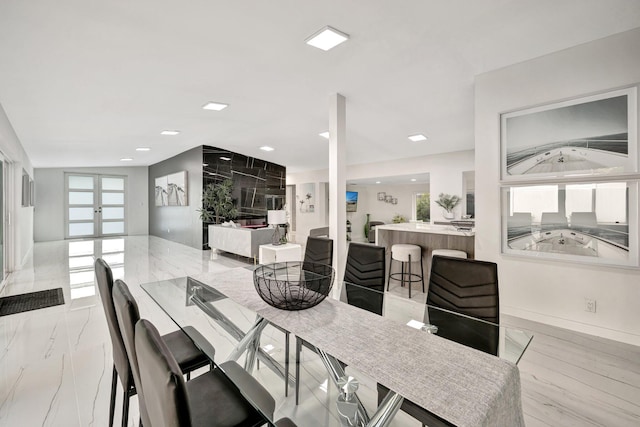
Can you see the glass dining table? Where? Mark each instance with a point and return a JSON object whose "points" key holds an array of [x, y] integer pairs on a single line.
{"points": [[364, 341]]}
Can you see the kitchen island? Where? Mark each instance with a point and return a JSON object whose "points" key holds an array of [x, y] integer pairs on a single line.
{"points": [[429, 237]]}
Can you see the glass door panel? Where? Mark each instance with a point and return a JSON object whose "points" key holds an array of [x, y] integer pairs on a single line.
{"points": [[95, 205], [81, 206], [112, 189]]}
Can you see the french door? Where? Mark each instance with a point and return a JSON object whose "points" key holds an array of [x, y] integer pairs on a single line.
{"points": [[95, 205]]}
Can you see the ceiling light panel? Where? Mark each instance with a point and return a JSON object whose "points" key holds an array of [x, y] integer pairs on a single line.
{"points": [[266, 148], [417, 137], [324, 134], [126, 159], [170, 132], [143, 149], [215, 106], [327, 38]]}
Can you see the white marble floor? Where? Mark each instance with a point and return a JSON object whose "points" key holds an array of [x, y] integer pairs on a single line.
{"points": [[55, 363]]}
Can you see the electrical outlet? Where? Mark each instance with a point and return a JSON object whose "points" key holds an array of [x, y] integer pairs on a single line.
{"points": [[590, 305]]}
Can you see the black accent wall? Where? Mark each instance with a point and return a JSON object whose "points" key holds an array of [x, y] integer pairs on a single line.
{"points": [[258, 185]]}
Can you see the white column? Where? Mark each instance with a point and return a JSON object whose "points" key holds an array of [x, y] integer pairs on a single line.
{"points": [[337, 183]]}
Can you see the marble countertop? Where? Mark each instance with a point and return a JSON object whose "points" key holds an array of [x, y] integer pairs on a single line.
{"points": [[418, 227]]}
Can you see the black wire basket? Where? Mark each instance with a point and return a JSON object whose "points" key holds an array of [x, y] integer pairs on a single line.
{"points": [[293, 285]]}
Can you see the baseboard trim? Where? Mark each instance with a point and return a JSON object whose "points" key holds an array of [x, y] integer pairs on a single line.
{"points": [[599, 331]]}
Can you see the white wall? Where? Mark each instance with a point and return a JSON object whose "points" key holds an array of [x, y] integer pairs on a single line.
{"points": [[548, 291], [445, 175], [49, 209], [368, 203], [19, 237]]}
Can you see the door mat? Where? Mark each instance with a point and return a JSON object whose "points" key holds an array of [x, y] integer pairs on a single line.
{"points": [[31, 301]]}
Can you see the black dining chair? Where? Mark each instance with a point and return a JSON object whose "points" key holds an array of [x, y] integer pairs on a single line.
{"points": [[210, 399], [128, 315], [465, 286], [189, 356], [365, 268], [468, 287], [319, 250]]}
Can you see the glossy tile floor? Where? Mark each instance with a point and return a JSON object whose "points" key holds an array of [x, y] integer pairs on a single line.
{"points": [[55, 363]]}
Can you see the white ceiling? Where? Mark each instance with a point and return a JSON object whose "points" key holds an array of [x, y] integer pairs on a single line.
{"points": [[412, 179], [86, 82]]}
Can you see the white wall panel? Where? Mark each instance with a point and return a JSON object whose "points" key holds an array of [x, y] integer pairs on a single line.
{"points": [[548, 291], [49, 210]]}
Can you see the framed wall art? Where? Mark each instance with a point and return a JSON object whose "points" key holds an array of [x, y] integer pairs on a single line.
{"points": [[589, 222], [171, 190], [307, 199], [593, 135], [161, 191], [177, 189]]}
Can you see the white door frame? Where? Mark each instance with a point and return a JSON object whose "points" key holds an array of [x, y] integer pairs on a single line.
{"points": [[97, 206]]}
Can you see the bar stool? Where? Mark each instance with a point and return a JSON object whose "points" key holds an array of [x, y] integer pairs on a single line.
{"points": [[406, 254], [449, 252]]}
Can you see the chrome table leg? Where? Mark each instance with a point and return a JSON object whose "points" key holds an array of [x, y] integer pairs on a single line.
{"points": [[336, 373]]}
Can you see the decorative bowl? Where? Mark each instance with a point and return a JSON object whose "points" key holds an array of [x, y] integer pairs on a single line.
{"points": [[293, 285]]}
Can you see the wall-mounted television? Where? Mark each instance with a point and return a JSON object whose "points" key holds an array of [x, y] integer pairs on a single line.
{"points": [[352, 201]]}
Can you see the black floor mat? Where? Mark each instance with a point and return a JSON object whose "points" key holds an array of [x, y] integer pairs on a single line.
{"points": [[31, 301]]}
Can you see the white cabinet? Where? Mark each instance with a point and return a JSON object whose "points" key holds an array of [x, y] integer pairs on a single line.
{"points": [[281, 253], [238, 240]]}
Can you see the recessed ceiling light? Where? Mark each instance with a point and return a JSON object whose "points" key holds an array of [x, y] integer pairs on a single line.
{"points": [[224, 158], [215, 106], [126, 159], [413, 180], [143, 149], [324, 134], [377, 182], [417, 137], [170, 132], [266, 148], [327, 38]]}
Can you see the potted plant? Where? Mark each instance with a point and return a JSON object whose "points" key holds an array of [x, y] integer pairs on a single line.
{"points": [[217, 204], [398, 219], [448, 203]]}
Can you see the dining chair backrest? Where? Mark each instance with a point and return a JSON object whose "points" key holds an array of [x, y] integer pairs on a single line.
{"points": [[319, 250], [365, 267], [128, 315], [165, 391], [465, 286], [105, 288], [319, 232]]}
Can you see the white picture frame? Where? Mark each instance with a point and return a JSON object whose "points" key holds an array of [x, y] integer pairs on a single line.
{"points": [[593, 135], [586, 222]]}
